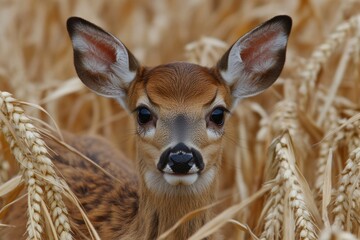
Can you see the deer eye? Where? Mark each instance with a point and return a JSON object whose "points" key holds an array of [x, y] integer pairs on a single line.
{"points": [[217, 116], [144, 115]]}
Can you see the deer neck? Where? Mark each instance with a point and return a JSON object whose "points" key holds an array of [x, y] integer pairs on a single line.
{"points": [[160, 211]]}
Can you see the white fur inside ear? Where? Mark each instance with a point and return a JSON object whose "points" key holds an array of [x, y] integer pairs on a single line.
{"points": [[91, 64], [263, 58], [236, 71], [97, 60], [235, 68], [255, 60], [122, 67]]}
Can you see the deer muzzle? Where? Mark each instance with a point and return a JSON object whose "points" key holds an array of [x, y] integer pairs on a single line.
{"points": [[180, 160]]}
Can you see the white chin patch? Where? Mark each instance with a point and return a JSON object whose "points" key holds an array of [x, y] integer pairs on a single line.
{"points": [[187, 179]]}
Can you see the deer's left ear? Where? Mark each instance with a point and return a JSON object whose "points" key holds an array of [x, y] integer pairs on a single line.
{"points": [[255, 61]]}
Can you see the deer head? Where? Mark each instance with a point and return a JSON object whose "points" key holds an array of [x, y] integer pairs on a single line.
{"points": [[181, 109]]}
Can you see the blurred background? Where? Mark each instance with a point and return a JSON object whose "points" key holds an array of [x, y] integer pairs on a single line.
{"points": [[36, 65]]}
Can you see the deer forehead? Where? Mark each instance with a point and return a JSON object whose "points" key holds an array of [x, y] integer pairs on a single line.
{"points": [[183, 87]]}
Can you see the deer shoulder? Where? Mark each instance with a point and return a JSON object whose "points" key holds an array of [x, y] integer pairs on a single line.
{"points": [[106, 186]]}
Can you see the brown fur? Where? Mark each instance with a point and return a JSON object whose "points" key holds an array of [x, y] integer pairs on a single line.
{"points": [[172, 90], [127, 209], [178, 100], [178, 83], [111, 205], [130, 208]]}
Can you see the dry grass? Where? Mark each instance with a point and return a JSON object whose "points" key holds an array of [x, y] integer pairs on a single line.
{"points": [[308, 122]]}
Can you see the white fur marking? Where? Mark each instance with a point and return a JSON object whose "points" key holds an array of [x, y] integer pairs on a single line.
{"points": [[168, 169], [149, 132], [193, 169], [156, 182], [212, 134], [187, 179]]}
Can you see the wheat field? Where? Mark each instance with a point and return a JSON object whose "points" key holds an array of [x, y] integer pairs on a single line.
{"points": [[291, 167]]}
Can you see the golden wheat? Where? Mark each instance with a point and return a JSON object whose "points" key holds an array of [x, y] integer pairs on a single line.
{"points": [[37, 169], [335, 234], [205, 51], [347, 203], [287, 192], [321, 55], [351, 134], [316, 97], [4, 167], [329, 143]]}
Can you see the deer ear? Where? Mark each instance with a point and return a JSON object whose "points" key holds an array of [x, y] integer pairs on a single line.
{"points": [[255, 61], [101, 61]]}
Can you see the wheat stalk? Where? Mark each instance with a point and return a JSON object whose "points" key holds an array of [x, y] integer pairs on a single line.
{"points": [[285, 118], [287, 189], [4, 166], [321, 55], [206, 51], [157, 35], [336, 234], [328, 143], [37, 169], [351, 133], [347, 195], [274, 216]]}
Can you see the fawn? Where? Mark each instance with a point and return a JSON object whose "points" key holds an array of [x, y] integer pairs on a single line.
{"points": [[181, 111]]}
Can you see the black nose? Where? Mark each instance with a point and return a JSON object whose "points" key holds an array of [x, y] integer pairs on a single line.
{"points": [[180, 159]]}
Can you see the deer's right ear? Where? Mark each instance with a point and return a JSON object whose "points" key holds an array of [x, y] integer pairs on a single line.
{"points": [[101, 61]]}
